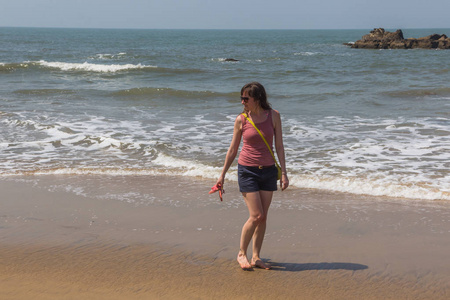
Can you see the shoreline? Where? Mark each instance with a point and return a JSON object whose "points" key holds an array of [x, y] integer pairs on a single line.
{"points": [[322, 245]]}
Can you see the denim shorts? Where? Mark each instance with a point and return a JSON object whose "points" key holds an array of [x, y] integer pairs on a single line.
{"points": [[253, 179]]}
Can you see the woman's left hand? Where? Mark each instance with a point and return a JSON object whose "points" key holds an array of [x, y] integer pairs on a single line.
{"points": [[284, 182]]}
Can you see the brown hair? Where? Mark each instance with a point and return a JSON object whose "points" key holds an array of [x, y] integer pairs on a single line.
{"points": [[258, 92]]}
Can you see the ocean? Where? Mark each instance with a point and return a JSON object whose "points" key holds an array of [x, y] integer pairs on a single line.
{"points": [[111, 102]]}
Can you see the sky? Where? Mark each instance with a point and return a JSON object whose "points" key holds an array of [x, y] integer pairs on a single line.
{"points": [[226, 14]]}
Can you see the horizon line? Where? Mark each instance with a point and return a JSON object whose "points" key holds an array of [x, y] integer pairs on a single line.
{"points": [[237, 29]]}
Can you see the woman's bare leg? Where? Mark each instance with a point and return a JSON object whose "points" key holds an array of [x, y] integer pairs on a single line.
{"points": [[256, 216], [260, 231]]}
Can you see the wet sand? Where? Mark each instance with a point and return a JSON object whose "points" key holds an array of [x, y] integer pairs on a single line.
{"points": [[62, 239]]}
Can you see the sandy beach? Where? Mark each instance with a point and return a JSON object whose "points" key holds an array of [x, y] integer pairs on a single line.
{"points": [[72, 244]]}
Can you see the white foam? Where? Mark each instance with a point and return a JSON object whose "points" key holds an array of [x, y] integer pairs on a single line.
{"points": [[106, 56], [389, 157], [177, 167], [64, 66], [369, 187], [392, 157], [307, 53]]}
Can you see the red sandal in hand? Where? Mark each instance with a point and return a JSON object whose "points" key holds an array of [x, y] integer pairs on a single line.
{"points": [[218, 187]]}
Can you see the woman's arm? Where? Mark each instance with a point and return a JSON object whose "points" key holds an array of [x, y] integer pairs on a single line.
{"points": [[233, 149], [284, 182]]}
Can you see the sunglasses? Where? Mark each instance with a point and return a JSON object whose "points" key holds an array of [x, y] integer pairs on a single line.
{"points": [[245, 99]]}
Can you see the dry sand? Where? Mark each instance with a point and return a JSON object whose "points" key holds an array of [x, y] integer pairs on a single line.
{"points": [[181, 243]]}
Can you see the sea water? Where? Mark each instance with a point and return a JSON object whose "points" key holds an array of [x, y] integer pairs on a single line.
{"points": [[163, 102]]}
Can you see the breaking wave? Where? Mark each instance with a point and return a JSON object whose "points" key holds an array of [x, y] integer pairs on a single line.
{"points": [[67, 66], [101, 68]]}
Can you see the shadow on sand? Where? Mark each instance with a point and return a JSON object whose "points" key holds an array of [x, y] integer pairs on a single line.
{"points": [[294, 267]]}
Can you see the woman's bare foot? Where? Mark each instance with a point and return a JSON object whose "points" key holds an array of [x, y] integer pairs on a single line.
{"points": [[258, 263], [243, 261]]}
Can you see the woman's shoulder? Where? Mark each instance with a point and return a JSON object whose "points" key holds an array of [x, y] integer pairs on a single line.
{"points": [[276, 118], [275, 113], [239, 119]]}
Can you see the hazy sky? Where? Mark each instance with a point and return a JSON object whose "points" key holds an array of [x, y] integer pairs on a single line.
{"points": [[227, 14]]}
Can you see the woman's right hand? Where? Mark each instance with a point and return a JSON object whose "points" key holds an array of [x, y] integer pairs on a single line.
{"points": [[220, 181]]}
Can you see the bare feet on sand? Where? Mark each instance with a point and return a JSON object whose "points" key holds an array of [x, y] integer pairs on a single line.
{"points": [[258, 263], [243, 261]]}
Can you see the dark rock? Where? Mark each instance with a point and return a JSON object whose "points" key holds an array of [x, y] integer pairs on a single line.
{"points": [[381, 39], [231, 59]]}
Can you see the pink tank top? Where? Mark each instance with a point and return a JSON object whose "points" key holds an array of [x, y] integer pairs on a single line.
{"points": [[254, 151]]}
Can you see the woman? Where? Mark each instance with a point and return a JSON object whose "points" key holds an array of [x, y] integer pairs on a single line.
{"points": [[257, 173]]}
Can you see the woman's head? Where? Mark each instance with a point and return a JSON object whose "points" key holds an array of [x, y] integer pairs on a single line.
{"points": [[256, 91]]}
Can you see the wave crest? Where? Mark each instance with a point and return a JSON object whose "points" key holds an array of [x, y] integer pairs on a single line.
{"points": [[445, 91], [168, 92], [11, 67], [89, 67], [43, 92]]}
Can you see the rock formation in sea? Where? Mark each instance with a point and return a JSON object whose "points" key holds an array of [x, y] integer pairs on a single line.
{"points": [[381, 39]]}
